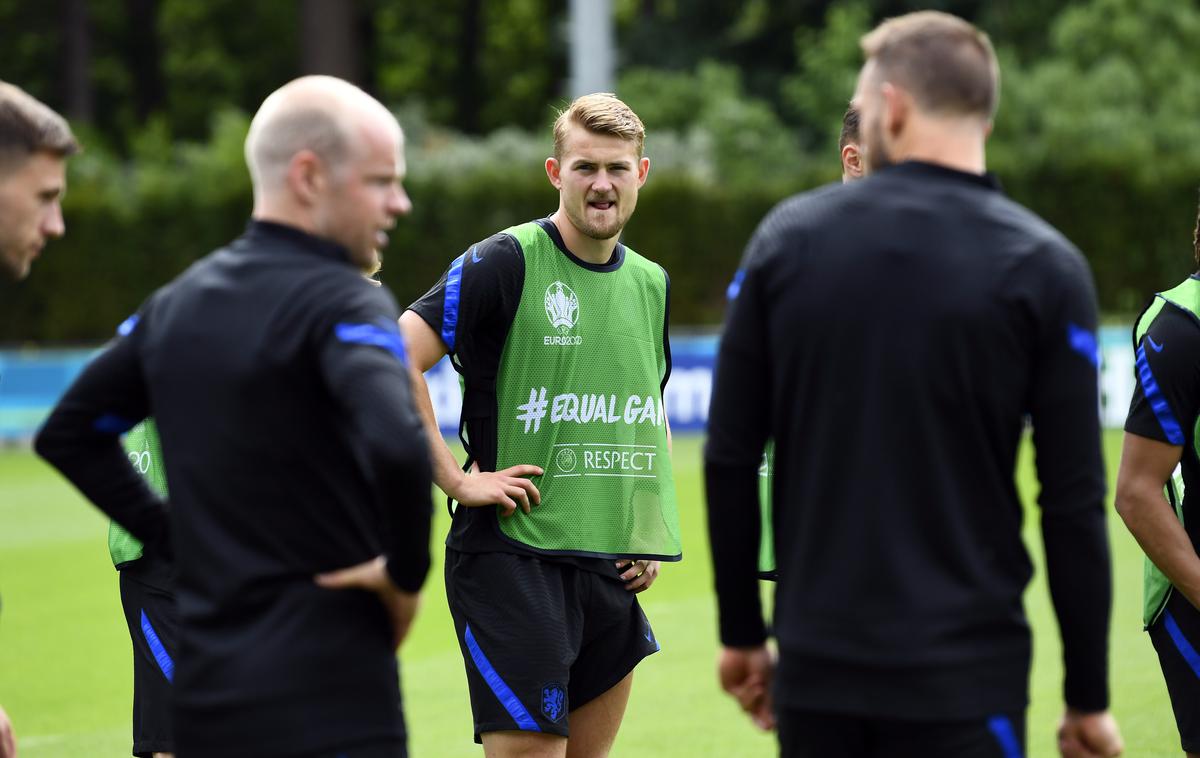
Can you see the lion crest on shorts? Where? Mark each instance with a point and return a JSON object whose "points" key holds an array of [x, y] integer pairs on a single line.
{"points": [[554, 700]]}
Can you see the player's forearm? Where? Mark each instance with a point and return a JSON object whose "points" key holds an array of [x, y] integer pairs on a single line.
{"points": [[446, 471], [734, 533], [1152, 522], [1079, 573]]}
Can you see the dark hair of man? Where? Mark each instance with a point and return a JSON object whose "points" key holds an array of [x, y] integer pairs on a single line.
{"points": [[945, 63], [849, 128], [27, 126]]}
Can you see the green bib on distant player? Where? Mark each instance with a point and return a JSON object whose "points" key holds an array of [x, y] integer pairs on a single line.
{"points": [[145, 453], [579, 393], [766, 482], [1156, 588]]}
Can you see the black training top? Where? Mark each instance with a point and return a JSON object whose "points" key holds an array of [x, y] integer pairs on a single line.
{"points": [[1168, 363], [276, 377], [892, 335], [481, 308]]}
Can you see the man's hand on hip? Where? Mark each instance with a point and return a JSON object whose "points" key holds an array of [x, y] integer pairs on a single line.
{"points": [[373, 577], [507, 489], [638, 575]]}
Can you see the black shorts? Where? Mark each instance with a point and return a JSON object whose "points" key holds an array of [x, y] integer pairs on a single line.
{"points": [[809, 734], [154, 630], [540, 638], [1176, 638]]}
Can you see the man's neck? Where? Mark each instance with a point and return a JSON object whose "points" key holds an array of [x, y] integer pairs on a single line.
{"points": [[582, 246], [951, 143], [286, 215]]}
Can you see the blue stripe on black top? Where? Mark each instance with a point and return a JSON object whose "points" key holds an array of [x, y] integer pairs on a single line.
{"points": [[1158, 403], [450, 300]]}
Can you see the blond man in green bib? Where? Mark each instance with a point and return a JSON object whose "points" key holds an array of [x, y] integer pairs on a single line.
{"points": [[566, 504]]}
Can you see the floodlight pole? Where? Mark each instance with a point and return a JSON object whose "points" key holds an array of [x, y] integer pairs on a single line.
{"points": [[593, 55]]}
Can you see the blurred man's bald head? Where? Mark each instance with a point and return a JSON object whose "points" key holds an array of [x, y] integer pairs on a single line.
{"points": [[321, 114]]}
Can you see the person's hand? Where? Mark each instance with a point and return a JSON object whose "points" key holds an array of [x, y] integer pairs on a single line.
{"points": [[1089, 735], [745, 673], [507, 488], [638, 575], [373, 576], [8, 739]]}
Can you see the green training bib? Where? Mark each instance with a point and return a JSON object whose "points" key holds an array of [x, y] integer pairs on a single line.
{"points": [[145, 453], [1156, 587], [579, 393]]}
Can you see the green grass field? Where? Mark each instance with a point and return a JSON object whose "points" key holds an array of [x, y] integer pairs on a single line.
{"points": [[65, 671]]}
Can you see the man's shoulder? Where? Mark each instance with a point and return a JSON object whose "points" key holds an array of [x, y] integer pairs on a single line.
{"points": [[812, 206], [503, 247]]}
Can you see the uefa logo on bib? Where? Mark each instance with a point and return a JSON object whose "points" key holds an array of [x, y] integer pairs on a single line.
{"points": [[562, 308]]}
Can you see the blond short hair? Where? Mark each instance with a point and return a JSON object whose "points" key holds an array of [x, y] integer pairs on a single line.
{"points": [[28, 126], [600, 113], [945, 63]]}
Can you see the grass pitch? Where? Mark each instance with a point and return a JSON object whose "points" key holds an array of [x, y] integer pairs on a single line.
{"points": [[65, 656]]}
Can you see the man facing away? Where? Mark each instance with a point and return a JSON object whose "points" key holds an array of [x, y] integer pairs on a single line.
{"points": [[298, 469], [891, 335], [34, 145], [559, 332], [1158, 484]]}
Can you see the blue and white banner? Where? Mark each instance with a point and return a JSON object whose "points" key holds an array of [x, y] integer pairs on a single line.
{"points": [[31, 381]]}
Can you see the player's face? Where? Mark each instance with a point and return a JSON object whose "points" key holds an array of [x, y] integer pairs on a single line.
{"points": [[366, 194], [597, 177], [30, 210]]}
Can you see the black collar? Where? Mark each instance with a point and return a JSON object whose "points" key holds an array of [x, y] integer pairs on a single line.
{"points": [[614, 263], [921, 168], [269, 232]]}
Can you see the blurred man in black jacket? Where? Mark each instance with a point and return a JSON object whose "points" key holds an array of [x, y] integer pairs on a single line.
{"points": [[891, 335], [299, 472]]}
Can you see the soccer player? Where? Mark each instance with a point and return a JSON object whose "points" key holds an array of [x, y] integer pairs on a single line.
{"points": [[298, 468], [1157, 486], [567, 503], [852, 168], [34, 145], [892, 334], [148, 598]]}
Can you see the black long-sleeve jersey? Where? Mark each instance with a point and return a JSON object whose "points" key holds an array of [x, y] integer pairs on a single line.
{"points": [[276, 376], [892, 336]]}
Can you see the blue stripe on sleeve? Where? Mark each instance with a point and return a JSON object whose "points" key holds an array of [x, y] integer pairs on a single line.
{"points": [[161, 656], [370, 334], [128, 325], [1084, 342], [1158, 403], [1002, 729], [450, 301], [503, 692], [735, 286], [111, 423], [1185, 648]]}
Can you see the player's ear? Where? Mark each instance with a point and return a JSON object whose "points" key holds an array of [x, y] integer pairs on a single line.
{"points": [[896, 106], [643, 170], [852, 161], [554, 172], [306, 176]]}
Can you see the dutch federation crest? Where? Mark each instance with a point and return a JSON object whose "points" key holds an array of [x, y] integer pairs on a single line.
{"points": [[562, 307], [554, 701]]}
